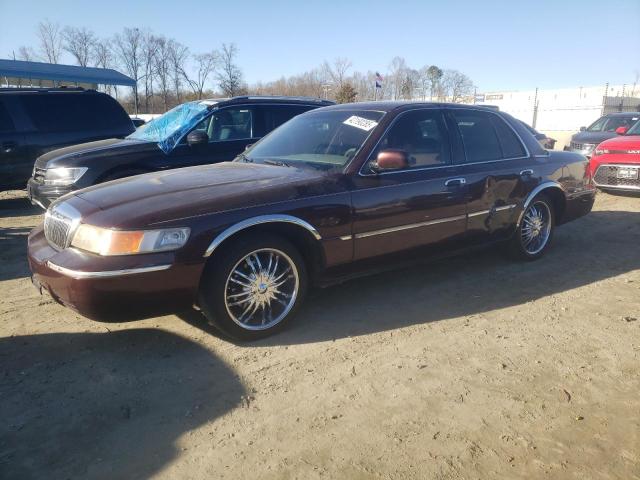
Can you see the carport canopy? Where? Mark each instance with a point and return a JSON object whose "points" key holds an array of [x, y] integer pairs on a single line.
{"points": [[22, 70]]}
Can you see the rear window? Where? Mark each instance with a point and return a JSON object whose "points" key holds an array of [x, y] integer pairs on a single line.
{"points": [[511, 145], [6, 123], [75, 112]]}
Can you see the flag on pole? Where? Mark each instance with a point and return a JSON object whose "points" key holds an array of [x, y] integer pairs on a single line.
{"points": [[378, 80]]}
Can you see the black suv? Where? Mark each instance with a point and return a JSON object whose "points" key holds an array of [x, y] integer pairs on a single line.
{"points": [[194, 133], [606, 127], [36, 120]]}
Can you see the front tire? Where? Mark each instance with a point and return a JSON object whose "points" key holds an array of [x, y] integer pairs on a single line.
{"points": [[253, 288], [533, 235]]}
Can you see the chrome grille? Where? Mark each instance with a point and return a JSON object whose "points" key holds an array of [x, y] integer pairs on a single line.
{"points": [[576, 146], [607, 176], [38, 174], [60, 223]]}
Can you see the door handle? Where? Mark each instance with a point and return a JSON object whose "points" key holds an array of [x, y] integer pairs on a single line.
{"points": [[452, 182], [526, 173], [8, 147]]}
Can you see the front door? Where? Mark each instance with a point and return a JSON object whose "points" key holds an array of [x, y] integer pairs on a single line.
{"points": [[419, 205], [230, 130]]}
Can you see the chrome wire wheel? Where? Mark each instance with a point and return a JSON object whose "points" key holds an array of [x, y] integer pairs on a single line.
{"points": [[536, 227], [261, 289]]}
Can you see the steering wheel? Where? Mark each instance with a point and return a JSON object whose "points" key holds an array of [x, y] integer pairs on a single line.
{"points": [[350, 153]]}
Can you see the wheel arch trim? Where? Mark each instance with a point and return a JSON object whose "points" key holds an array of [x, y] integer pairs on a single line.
{"points": [[548, 185], [259, 220]]}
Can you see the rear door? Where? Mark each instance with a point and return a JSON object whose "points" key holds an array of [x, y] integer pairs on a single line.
{"points": [[15, 167], [418, 206], [271, 116], [498, 171]]}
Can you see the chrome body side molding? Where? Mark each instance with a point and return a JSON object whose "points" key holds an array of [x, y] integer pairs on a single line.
{"points": [[78, 275], [260, 220], [409, 226]]}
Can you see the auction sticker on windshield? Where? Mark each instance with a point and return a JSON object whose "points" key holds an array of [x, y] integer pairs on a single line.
{"points": [[361, 123]]}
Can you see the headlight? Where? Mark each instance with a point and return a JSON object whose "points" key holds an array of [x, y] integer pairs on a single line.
{"points": [[587, 147], [105, 241], [63, 175]]}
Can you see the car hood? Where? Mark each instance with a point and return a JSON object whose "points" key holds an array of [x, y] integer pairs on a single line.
{"points": [[76, 155], [592, 137], [171, 195], [622, 142]]}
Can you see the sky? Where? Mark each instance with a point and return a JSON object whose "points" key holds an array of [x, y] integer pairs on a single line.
{"points": [[500, 45]]}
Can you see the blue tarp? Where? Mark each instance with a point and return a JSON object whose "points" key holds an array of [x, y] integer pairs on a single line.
{"points": [[64, 73]]}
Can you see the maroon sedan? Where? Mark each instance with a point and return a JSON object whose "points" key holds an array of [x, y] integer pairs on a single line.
{"points": [[332, 193]]}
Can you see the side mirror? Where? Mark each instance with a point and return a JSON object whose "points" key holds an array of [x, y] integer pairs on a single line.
{"points": [[197, 137], [391, 160], [583, 129], [621, 130]]}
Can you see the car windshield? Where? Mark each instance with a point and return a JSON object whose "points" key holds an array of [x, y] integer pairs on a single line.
{"points": [[167, 129], [609, 124], [635, 130], [322, 139]]}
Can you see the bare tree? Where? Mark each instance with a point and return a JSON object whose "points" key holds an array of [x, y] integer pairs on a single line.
{"points": [[433, 75], [27, 54], [230, 75], [102, 55], [205, 64], [178, 56], [162, 62], [148, 51], [337, 71], [409, 84], [398, 68], [50, 39], [457, 85], [128, 46], [79, 43]]}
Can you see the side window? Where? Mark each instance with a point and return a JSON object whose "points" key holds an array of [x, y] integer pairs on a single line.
{"points": [[6, 123], [104, 112], [57, 112], [422, 135], [509, 141], [230, 124], [478, 135], [272, 116]]}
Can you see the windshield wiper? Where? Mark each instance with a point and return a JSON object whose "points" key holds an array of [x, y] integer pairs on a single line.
{"points": [[277, 163]]}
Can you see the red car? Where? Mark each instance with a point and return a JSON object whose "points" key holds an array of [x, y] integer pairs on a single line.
{"points": [[615, 164]]}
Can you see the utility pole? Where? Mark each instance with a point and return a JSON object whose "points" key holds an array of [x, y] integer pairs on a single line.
{"points": [[535, 109]]}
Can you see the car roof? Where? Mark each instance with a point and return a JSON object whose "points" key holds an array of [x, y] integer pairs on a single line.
{"points": [[623, 114], [388, 106], [219, 102]]}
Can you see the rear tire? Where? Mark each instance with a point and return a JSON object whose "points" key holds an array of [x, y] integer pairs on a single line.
{"points": [[533, 236], [252, 288]]}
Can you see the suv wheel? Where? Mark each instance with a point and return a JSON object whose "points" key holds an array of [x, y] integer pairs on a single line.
{"points": [[252, 289]]}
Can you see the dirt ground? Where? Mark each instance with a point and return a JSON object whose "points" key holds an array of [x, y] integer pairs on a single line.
{"points": [[475, 367]]}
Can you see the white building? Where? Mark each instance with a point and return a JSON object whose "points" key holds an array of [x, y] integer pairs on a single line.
{"points": [[561, 112]]}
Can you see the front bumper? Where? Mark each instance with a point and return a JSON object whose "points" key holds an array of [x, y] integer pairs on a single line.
{"points": [[43, 195], [112, 288]]}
